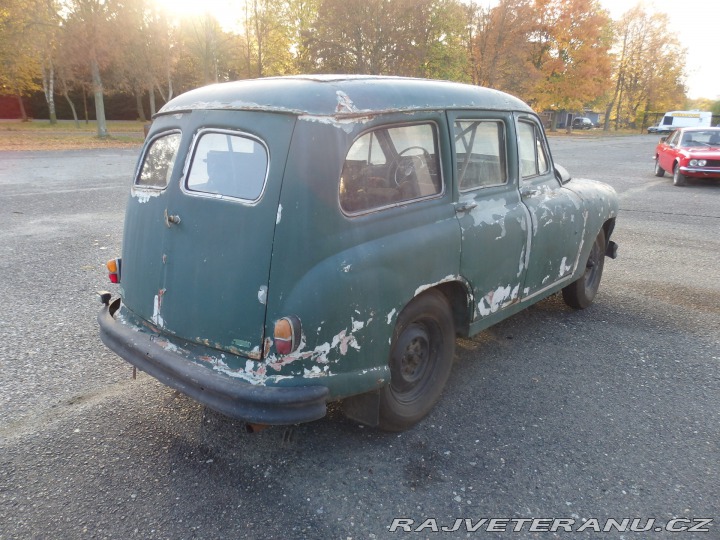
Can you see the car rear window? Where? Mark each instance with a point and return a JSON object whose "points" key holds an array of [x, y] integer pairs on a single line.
{"points": [[228, 165], [389, 166], [158, 162]]}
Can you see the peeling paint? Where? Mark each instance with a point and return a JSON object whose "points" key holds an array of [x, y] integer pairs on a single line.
{"points": [[564, 268], [346, 124], [391, 315], [497, 299], [262, 294], [279, 214], [344, 104], [340, 345], [446, 279], [144, 195], [157, 306]]}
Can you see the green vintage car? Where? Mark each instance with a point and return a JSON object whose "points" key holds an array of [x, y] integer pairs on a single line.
{"points": [[298, 240]]}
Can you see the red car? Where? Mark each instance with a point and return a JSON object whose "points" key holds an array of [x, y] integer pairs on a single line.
{"points": [[689, 153]]}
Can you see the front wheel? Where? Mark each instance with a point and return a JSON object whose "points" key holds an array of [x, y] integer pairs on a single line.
{"points": [[581, 293], [421, 357], [679, 179], [659, 171]]}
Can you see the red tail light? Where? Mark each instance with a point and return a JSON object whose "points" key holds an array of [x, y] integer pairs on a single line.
{"points": [[114, 266], [287, 334]]}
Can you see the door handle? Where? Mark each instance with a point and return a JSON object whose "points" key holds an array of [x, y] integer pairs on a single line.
{"points": [[465, 206], [169, 220]]}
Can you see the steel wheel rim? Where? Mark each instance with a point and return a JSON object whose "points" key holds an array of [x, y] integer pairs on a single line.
{"points": [[413, 358]]}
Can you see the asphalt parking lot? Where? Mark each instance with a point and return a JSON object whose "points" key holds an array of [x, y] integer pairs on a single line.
{"points": [[608, 413]]}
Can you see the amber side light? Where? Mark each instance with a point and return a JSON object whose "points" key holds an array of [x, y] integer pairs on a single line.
{"points": [[114, 266], [287, 334]]}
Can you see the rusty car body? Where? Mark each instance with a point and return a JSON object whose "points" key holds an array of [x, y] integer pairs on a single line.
{"points": [[297, 240]]}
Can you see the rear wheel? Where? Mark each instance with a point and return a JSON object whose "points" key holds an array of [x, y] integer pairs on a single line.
{"points": [[581, 293], [421, 357], [679, 179], [659, 171]]}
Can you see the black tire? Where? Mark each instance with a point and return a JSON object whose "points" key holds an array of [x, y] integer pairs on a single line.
{"points": [[581, 293], [679, 179], [659, 171], [421, 357]]}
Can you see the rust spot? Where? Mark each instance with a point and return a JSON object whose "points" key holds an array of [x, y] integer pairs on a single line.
{"points": [[266, 346]]}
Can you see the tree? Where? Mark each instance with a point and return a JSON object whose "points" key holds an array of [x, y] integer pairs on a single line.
{"points": [[398, 37], [648, 70], [90, 40], [501, 47], [569, 48], [19, 63], [269, 35]]}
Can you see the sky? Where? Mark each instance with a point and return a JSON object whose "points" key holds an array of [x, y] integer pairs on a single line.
{"points": [[695, 24]]}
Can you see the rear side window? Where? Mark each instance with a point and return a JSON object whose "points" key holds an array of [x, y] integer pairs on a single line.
{"points": [[390, 166], [228, 165], [159, 160], [533, 159], [480, 153]]}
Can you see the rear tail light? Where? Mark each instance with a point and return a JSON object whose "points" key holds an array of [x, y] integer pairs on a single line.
{"points": [[114, 266], [287, 334]]}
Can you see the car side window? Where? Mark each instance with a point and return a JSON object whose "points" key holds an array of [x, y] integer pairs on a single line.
{"points": [[672, 139], [533, 158], [480, 153], [390, 166], [158, 161], [228, 164]]}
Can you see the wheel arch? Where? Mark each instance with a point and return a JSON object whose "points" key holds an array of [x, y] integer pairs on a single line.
{"points": [[609, 227], [460, 298]]}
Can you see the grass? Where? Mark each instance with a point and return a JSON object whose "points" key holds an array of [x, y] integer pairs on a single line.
{"points": [[42, 135]]}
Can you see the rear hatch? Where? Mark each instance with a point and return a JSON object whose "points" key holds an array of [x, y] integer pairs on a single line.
{"points": [[200, 223]]}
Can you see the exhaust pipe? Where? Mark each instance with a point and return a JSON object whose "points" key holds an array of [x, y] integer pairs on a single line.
{"points": [[255, 428]]}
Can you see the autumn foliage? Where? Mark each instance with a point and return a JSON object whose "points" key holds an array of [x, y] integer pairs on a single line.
{"points": [[555, 54]]}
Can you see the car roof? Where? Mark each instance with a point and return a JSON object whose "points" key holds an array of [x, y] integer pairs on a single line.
{"points": [[342, 96], [699, 128]]}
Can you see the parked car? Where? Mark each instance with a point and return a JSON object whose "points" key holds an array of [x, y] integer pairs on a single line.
{"points": [[689, 153], [677, 119], [582, 122], [299, 240]]}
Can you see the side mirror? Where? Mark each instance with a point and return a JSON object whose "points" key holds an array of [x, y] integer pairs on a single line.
{"points": [[562, 174], [663, 139]]}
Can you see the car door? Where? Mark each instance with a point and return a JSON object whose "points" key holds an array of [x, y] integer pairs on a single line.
{"points": [[198, 244], [557, 215], [668, 151], [493, 220]]}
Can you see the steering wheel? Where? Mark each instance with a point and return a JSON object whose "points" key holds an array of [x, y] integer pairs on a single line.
{"points": [[405, 165]]}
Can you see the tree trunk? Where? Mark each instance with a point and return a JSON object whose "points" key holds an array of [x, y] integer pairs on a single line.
{"points": [[139, 105], [64, 86], [23, 114], [152, 101], [48, 82], [99, 102], [72, 107], [87, 120]]}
